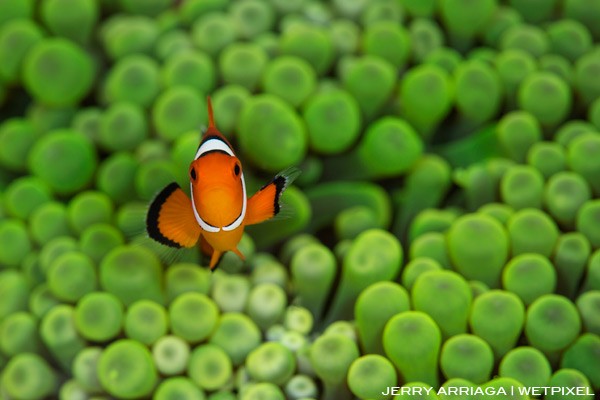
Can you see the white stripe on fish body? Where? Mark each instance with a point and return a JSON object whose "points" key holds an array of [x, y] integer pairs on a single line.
{"points": [[214, 144]]}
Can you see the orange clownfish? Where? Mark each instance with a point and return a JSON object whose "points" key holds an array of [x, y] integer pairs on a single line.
{"points": [[218, 208]]}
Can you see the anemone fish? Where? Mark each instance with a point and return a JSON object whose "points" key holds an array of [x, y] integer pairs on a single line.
{"points": [[218, 209]]}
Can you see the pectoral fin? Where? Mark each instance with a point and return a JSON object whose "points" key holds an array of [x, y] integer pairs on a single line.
{"points": [[170, 219], [264, 204]]}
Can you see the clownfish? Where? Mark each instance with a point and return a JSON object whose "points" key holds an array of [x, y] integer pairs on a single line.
{"points": [[218, 208]]}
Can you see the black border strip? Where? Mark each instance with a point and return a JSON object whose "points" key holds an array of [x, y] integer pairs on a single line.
{"points": [[153, 214], [279, 182]]}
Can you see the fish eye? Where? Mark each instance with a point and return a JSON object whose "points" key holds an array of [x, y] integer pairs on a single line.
{"points": [[193, 173], [236, 169]]}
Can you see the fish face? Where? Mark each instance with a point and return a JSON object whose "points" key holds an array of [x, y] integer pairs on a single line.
{"points": [[218, 191]]}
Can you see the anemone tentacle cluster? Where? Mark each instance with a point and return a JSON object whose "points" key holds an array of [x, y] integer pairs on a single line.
{"points": [[442, 242]]}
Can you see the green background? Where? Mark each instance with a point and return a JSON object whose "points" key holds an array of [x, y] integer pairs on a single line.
{"points": [[444, 231]]}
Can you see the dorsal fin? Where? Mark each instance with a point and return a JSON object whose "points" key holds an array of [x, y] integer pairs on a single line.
{"points": [[212, 133], [212, 127], [211, 118]]}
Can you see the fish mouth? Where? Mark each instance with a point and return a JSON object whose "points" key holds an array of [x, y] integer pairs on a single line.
{"points": [[224, 227]]}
